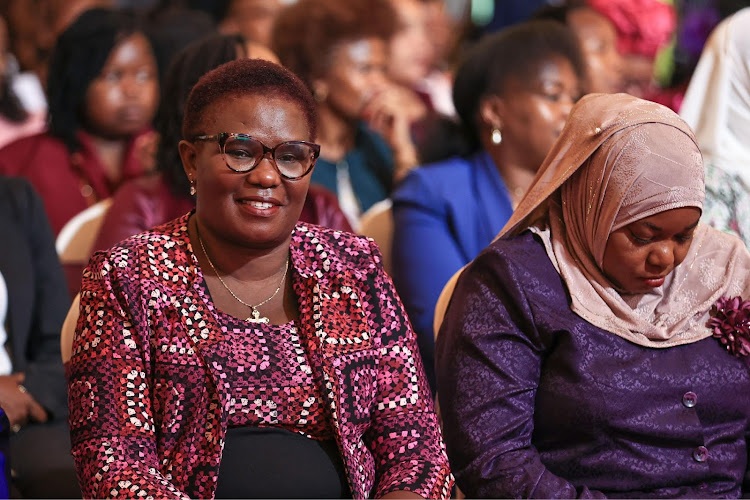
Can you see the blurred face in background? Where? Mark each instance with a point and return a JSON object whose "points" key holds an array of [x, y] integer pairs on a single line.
{"points": [[36, 26], [253, 19], [122, 100], [23, 42], [356, 73], [411, 53], [534, 111], [442, 30], [598, 40]]}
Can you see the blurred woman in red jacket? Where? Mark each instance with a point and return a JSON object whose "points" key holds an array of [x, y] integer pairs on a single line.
{"points": [[103, 94]]}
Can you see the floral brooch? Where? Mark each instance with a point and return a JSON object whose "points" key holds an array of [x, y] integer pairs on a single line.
{"points": [[731, 324]]}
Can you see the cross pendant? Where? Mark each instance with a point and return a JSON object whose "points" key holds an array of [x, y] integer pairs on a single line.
{"points": [[256, 318]]}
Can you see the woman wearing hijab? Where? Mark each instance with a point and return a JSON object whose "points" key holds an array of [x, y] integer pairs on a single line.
{"points": [[717, 107], [575, 358]]}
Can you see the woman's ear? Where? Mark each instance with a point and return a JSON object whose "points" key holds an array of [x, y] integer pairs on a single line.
{"points": [[188, 155], [491, 112]]}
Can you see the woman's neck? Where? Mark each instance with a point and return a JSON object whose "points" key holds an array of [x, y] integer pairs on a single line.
{"points": [[516, 175], [111, 153], [241, 264], [335, 134], [245, 283]]}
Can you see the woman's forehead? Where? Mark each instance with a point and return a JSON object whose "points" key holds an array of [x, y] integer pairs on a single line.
{"points": [[255, 114]]}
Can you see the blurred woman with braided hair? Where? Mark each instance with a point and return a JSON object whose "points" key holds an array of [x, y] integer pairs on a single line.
{"points": [[103, 93]]}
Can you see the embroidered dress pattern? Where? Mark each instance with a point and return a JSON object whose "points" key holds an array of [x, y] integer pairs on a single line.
{"points": [[268, 378], [150, 406]]}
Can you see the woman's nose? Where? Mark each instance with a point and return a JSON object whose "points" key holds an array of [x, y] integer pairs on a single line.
{"points": [[661, 256], [130, 87], [264, 174]]}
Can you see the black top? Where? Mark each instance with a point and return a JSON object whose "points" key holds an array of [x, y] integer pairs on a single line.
{"points": [[269, 462], [279, 441]]}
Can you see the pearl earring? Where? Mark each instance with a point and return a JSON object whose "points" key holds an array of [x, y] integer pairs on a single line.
{"points": [[320, 95], [497, 137], [192, 189]]}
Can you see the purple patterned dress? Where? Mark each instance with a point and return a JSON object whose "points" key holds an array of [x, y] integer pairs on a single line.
{"points": [[538, 403]]}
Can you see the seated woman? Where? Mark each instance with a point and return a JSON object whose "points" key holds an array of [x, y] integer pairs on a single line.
{"points": [[103, 93], [576, 357], [213, 348], [164, 194], [513, 93], [339, 50], [718, 110]]}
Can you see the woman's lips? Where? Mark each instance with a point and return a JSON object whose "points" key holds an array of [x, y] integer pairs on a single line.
{"points": [[260, 205], [131, 114], [259, 208], [654, 282]]}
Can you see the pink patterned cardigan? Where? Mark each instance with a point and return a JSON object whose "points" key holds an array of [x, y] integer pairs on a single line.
{"points": [[148, 416]]}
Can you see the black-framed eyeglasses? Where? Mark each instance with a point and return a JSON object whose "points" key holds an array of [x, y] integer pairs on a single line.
{"points": [[242, 153]]}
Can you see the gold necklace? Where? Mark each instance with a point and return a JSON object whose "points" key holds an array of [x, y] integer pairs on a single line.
{"points": [[255, 316]]}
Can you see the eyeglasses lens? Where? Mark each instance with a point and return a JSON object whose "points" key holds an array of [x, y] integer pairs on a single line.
{"points": [[292, 159]]}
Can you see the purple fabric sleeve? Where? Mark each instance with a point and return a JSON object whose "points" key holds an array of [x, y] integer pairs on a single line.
{"points": [[489, 362]]}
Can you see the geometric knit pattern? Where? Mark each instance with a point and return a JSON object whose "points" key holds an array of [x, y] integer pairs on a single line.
{"points": [[150, 405], [269, 379]]}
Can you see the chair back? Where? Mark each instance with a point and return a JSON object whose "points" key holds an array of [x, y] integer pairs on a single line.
{"points": [[69, 329], [442, 304], [76, 238], [377, 223], [440, 309], [75, 243]]}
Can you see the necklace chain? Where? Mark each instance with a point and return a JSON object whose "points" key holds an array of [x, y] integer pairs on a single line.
{"points": [[255, 314]]}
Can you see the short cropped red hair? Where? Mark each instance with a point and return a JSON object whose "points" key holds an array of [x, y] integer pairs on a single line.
{"points": [[241, 78]]}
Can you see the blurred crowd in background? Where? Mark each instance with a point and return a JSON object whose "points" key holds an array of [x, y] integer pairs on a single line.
{"points": [[91, 97]]}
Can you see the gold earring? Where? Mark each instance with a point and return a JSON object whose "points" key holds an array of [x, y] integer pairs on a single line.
{"points": [[497, 137]]}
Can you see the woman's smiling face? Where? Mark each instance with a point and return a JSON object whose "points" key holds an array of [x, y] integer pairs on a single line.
{"points": [[259, 208]]}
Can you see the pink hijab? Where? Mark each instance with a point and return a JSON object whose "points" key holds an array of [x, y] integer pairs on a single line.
{"points": [[620, 159]]}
